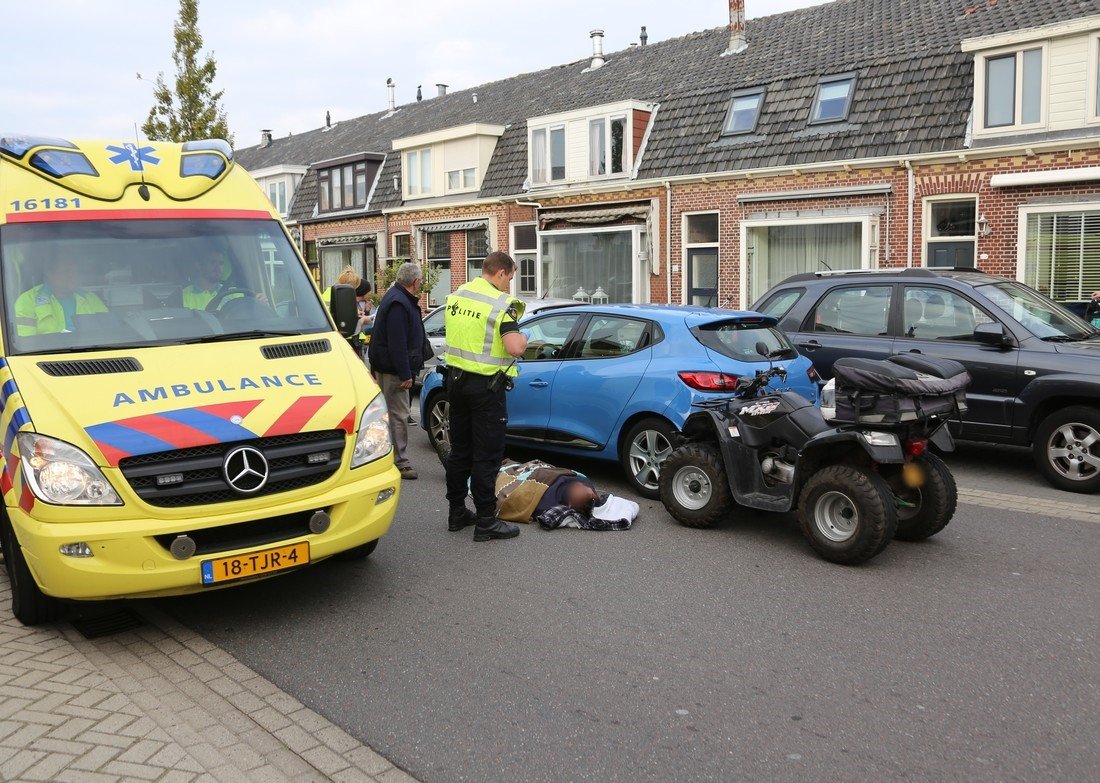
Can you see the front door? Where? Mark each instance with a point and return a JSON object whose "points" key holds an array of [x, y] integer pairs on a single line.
{"points": [[529, 401], [702, 277], [951, 254], [939, 322]]}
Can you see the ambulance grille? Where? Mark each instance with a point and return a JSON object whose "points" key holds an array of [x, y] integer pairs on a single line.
{"points": [[90, 367], [286, 350], [195, 476]]}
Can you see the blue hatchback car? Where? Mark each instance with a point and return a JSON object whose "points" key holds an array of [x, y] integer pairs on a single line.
{"points": [[615, 382]]}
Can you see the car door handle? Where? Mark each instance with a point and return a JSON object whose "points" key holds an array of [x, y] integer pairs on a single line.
{"points": [[912, 350], [812, 345], [538, 384]]}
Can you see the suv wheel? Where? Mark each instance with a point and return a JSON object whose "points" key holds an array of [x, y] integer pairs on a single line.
{"points": [[1067, 448]]}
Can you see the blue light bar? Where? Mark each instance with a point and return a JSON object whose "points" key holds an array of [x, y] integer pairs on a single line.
{"points": [[209, 145], [16, 146], [59, 163], [204, 164]]}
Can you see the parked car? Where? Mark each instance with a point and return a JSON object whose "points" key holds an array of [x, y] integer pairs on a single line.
{"points": [[436, 329], [617, 382], [1035, 366]]}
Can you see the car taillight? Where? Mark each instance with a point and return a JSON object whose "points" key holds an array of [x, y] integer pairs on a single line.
{"points": [[709, 381], [916, 447], [811, 373]]}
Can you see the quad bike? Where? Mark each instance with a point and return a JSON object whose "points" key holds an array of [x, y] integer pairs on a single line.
{"points": [[857, 483]]}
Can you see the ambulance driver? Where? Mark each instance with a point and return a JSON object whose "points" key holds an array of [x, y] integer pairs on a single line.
{"points": [[52, 306], [206, 280]]}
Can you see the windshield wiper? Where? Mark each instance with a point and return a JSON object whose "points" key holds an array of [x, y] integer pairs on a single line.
{"points": [[90, 348], [1063, 338], [218, 338]]}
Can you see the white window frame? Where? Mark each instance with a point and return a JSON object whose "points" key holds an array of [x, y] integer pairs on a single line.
{"points": [[628, 146], [868, 254], [393, 244], [685, 246], [926, 224], [462, 186], [1021, 228], [548, 130], [1092, 82], [512, 245], [640, 289], [416, 189], [980, 65]]}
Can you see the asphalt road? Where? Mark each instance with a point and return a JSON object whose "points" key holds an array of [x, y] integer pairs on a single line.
{"points": [[663, 653]]}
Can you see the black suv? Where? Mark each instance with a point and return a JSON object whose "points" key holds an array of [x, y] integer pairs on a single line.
{"points": [[1035, 367]]}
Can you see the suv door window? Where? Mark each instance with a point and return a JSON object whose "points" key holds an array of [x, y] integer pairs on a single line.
{"points": [[859, 310], [547, 336], [608, 336], [939, 314]]}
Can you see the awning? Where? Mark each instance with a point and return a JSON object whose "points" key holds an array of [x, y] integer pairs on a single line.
{"points": [[348, 239], [456, 225], [608, 214], [1055, 177]]}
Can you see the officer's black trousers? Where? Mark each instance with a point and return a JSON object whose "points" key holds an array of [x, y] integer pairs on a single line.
{"points": [[479, 418]]}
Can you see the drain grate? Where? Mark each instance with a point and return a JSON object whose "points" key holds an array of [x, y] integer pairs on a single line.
{"points": [[106, 621]]}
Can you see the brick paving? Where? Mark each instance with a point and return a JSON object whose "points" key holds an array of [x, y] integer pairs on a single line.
{"points": [[157, 703]]}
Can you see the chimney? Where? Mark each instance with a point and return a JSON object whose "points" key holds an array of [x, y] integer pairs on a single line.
{"points": [[597, 50], [737, 43], [644, 37], [328, 119], [442, 88], [419, 94], [265, 138], [391, 87]]}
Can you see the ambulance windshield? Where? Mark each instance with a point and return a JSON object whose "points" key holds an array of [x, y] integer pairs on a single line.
{"points": [[87, 285]]}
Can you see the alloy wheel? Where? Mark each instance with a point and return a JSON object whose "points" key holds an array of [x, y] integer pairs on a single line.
{"points": [[1071, 451], [647, 451]]}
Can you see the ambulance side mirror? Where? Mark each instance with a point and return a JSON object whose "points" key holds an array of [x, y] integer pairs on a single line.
{"points": [[345, 311]]}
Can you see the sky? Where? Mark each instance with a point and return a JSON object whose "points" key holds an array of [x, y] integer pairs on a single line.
{"points": [[284, 63]]}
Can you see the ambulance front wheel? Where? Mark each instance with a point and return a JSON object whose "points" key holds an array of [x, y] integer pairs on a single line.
{"points": [[29, 604]]}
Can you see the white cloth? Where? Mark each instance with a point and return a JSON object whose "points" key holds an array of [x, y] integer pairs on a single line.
{"points": [[615, 508]]}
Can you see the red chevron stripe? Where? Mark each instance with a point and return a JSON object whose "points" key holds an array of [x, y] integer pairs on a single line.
{"points": [[179, 435], [297, 415], [5, 482], [111, 454], [26, 498], [348, 424]]}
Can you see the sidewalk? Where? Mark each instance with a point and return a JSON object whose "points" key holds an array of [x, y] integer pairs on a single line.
{"points": [[157, 703]]}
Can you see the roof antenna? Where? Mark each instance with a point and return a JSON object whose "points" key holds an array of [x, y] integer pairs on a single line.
{"points": [[143, 190], [824, 265]]}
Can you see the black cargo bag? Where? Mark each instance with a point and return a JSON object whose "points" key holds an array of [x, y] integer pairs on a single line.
{"points": [[903, 388]]}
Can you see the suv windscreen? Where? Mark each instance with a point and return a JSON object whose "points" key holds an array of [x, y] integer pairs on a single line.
{"points": [[1041, 316], [738, 341], [91, 285]]}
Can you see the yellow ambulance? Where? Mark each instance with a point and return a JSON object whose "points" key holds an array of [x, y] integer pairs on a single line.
{"points": [[178, 411]]}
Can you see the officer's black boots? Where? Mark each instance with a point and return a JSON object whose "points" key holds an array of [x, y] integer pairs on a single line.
{"points": [[491, 527], [459, 518]]}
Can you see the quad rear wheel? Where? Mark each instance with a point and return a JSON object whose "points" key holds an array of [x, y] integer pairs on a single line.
{"points": [[847, 514], [924, 510]]}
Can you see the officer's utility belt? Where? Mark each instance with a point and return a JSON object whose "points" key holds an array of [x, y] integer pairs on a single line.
{"points": [[492, 382]]}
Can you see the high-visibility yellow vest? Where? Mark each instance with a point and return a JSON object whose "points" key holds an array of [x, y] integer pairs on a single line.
{"points": [[473, 316], [38, 311], [197, 298]]}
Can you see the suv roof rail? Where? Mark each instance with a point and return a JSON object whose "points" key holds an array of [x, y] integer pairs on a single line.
{"points": [[914, 271]]}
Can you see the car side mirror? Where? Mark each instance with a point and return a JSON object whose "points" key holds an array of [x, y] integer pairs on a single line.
{"points": [[762, 349], [344, 309], [992, 334]]}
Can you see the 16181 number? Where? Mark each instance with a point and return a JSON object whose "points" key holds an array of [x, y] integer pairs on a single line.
{"points": [[31, 204]]}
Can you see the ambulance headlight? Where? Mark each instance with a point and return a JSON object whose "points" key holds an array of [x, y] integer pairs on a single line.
{"points": [[62, 474], [373, 439]]}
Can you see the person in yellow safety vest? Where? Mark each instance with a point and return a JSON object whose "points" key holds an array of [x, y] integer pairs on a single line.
{"points": [[348, 276], [52, 307], [208, 282], [483, 343]]}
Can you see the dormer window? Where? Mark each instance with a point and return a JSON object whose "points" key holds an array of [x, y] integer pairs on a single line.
{"points": [[744, 112], [605, 158], [1013, 88], [582, 145], [833, 99], [552, 170], [346, 182], [418, 170]]}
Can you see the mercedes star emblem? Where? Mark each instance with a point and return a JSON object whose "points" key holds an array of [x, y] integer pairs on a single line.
{"points": [[245, 469]]}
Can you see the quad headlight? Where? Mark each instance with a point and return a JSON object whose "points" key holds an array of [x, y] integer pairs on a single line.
{"points": [[373, 438], [62, 474]]}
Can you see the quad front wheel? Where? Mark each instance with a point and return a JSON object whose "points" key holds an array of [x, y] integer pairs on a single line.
{"points": [[694, 487], [847, 514]]}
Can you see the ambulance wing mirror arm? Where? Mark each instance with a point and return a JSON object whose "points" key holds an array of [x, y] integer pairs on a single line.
{"points": [[345, 311]]}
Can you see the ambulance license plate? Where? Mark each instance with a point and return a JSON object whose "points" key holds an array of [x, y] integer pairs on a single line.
{"points": [[226, 569]]}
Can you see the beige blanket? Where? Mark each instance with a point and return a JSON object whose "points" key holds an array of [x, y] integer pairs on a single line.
{"points": [[518, 497]]}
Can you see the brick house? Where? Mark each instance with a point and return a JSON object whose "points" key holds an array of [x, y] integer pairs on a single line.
{"points": [[706, 168]]}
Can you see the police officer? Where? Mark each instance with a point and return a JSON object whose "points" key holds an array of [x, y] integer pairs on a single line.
{"points": [[483, 342]]}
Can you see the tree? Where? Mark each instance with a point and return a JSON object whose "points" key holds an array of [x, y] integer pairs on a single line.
{"points": [[387, 274], [193, 110]]}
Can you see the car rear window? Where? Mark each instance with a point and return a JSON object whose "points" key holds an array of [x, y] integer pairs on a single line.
{"points": [[738, 340]]}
